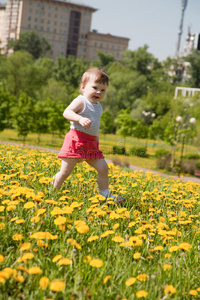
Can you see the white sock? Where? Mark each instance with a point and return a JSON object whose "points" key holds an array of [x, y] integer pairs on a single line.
{"points": [[104, 193]]}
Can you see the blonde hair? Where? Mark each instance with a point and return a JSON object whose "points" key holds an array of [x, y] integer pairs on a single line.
{"points": [[97, 73]]}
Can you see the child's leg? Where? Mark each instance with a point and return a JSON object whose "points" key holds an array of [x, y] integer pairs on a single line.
{"points": [[102, 178], [67, 166], [102, 168]]}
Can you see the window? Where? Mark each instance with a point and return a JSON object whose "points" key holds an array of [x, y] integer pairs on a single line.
{"points": [[30, 11], [49, 15], [37, 12], [36, 19]]}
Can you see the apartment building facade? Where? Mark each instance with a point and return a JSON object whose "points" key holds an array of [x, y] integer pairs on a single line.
{"points": [[65, 24]]}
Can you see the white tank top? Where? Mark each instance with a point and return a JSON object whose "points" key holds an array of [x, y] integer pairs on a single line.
{"points": [[92, 111]]}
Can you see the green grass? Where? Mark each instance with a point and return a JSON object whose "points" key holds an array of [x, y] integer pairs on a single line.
{"points": [[152, 240], [106, 144]]}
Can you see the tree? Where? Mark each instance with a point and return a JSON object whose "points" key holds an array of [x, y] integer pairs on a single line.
{"points": [[194, 70], [41, 110], [105, 59], [31, 42], [106, 124], [124, 123], [6, 102], [70, 70], [22, 75], [56, 121], [23, 116], [140, 60]]}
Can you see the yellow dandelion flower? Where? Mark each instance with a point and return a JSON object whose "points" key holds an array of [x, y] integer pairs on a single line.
{"points": [[11, 207], [87, 258], [193, 292], [185, 246], [137, 255], [108, 232], [141, 294], [106, 279], [93, 238], [20, 278], [167, 255], [14, 219], [118, 239], [34, 270], [2, 226], [115, 226], [40, 211], [142, 277], [56, 258], [20, 221], [169, 289], [96, 263], [173, 248], [158, 248], [64, 261], [83, 228], [27, 255], [2, 258], [130, 281], [198, 289], [57, 286], [60, 220], [29, 205], [44, 281], [25, 246], [2, 208], [17, 237], [166, 267], [127, 244], [35, 219]]}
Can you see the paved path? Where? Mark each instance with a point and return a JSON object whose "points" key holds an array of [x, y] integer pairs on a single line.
{"points": [[131, 167]]}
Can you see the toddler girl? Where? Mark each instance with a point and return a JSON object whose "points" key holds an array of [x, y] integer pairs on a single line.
{"points": [[81, 142]]}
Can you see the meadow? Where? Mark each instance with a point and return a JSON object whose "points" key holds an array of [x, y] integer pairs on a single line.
{"points": [[72, 244], [106, 143]]}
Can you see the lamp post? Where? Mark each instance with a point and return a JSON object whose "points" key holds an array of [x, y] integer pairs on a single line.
{"points": [[149, 116], [184, 130]]}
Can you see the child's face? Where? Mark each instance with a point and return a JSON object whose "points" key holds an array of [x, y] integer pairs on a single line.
{"points": [[93, 91]]}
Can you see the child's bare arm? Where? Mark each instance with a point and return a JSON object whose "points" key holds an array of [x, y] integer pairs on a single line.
{"points": [[71, 113]]}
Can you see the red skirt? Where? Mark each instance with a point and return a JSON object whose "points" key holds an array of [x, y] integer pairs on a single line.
{"points": [[80, 145]]}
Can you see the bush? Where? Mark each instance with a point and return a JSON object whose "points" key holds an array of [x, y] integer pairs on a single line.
{"points": [[198, 165], [119, 150], [138, 151], [188, 166], [192, 156], [162, 152], [164, 162]]}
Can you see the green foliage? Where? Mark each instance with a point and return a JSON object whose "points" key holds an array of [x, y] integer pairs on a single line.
{"points": [[162, 152], [106, 124], [6, 103], [124, 123], [119, 150], [138, 151], [23, 115], [70, 70], [31, 42], [194, 70]]}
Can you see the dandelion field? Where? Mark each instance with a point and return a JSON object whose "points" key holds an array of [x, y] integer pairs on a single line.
{"points": [[71, 244]]}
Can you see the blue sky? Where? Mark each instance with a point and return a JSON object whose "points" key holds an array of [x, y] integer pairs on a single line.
{"points": [[151, 22]]}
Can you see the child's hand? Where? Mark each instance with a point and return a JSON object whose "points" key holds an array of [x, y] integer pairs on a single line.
{"points": [[85, 122]]}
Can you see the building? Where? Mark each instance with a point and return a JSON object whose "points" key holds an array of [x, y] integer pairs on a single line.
{"points": [[65, 24]]}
